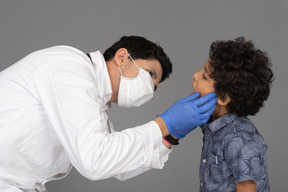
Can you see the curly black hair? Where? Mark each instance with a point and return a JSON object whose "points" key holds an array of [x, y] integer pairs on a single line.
{"points": [[141, 48], [241, 72]]}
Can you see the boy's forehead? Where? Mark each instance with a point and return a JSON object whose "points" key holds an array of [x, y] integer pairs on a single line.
{"points": [[207, 67]]}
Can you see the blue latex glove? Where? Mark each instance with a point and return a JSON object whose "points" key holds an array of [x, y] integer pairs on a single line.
{"points": [[188, 113]]}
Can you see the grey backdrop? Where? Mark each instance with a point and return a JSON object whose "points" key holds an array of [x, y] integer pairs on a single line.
{"points": [[185, 29]]}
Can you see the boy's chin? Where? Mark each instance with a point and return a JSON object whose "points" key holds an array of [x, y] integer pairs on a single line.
{"points": [[194, 91]]}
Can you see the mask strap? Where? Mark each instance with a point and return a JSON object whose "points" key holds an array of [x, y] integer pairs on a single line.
{"points": [[133, 60], [120, 71]]}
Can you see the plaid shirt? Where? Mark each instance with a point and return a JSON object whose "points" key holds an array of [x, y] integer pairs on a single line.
{"points": [[233, 151]]}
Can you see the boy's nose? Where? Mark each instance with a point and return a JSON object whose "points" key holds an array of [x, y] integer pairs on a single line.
{"points": [[195, 76]]}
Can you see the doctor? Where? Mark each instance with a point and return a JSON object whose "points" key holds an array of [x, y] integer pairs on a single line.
{"points": [[53, 114]]}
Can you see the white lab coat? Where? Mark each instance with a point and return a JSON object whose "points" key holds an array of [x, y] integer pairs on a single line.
{"points": [[53, 116]]}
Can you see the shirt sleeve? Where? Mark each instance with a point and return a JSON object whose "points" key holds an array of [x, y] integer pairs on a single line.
{"points": [[247, 159], [67, 91]]}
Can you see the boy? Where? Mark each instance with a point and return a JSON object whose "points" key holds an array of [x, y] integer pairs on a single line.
{"points": [[234, 154]]}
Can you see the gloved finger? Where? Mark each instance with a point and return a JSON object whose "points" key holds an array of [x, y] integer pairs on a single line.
{"points": [[205, 116], [204, 99], [191, 97], [207, 106]]}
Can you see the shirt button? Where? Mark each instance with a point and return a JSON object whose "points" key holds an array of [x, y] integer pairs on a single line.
{"points": [[201, 183], [204, 160]]}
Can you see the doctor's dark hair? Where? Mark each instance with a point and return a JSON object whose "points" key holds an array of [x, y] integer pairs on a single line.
{"points": [[241, 72], [141, 48]]}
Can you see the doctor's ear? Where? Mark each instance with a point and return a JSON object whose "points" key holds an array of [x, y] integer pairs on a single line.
{"points": [[224, 100], [121, 56]]}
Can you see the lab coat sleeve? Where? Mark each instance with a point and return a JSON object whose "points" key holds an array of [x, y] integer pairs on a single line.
{"points": [[160, 156], [67, 90], [163, 157]]}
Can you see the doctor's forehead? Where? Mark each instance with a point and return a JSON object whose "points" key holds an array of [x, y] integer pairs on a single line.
{"points": [[152, 64]]}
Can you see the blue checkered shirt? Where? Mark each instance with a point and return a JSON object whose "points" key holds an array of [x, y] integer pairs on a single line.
{"points": [[233, 151]]}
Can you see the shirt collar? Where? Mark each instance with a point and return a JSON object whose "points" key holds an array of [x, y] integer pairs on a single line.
{"points": [[102, 78], [219, 123]]}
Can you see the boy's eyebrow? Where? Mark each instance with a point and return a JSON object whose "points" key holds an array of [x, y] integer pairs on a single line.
{"points": [[206, 70]]}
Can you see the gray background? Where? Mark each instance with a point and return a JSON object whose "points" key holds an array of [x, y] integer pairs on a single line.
{"points": [[185, 29]]}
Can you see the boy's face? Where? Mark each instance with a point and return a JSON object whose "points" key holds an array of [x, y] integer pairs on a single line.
{"points": [[202, 82]]}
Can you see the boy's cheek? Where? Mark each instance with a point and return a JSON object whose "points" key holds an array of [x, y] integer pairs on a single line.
{"points": [[205, 93], [208, 89]]}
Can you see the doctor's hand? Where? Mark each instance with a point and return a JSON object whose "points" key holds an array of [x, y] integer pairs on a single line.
{"points": [[188, 113]]}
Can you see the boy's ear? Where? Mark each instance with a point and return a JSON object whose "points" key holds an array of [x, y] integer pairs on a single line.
{"points": [[224, 101], [121, 56]]}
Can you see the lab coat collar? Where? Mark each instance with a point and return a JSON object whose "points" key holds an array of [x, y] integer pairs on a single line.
{"points": [[102, 78]]}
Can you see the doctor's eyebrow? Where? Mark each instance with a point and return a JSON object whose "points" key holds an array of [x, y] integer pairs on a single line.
{"points": [[155, 73]]}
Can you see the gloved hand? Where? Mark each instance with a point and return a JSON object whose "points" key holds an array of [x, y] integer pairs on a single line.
{"points": [[188, 113]]}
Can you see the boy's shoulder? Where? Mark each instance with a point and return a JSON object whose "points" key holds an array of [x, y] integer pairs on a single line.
{"points": [[243, 124], [242, 131]]}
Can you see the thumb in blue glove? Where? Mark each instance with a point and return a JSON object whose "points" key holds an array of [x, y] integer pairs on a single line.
{"points": [[188, 113]]}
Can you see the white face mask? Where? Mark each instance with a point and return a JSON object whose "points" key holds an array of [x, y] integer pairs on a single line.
{"points": [[133, 92]]}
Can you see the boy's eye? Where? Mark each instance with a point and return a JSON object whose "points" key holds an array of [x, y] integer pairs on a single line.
{"points": [[204, 76]]}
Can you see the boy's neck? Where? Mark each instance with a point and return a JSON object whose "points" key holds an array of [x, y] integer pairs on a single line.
{"points": [[220, 111]]}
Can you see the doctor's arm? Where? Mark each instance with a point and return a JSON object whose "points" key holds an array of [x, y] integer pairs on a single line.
{"points": [[67, 92], [164, 131]]}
